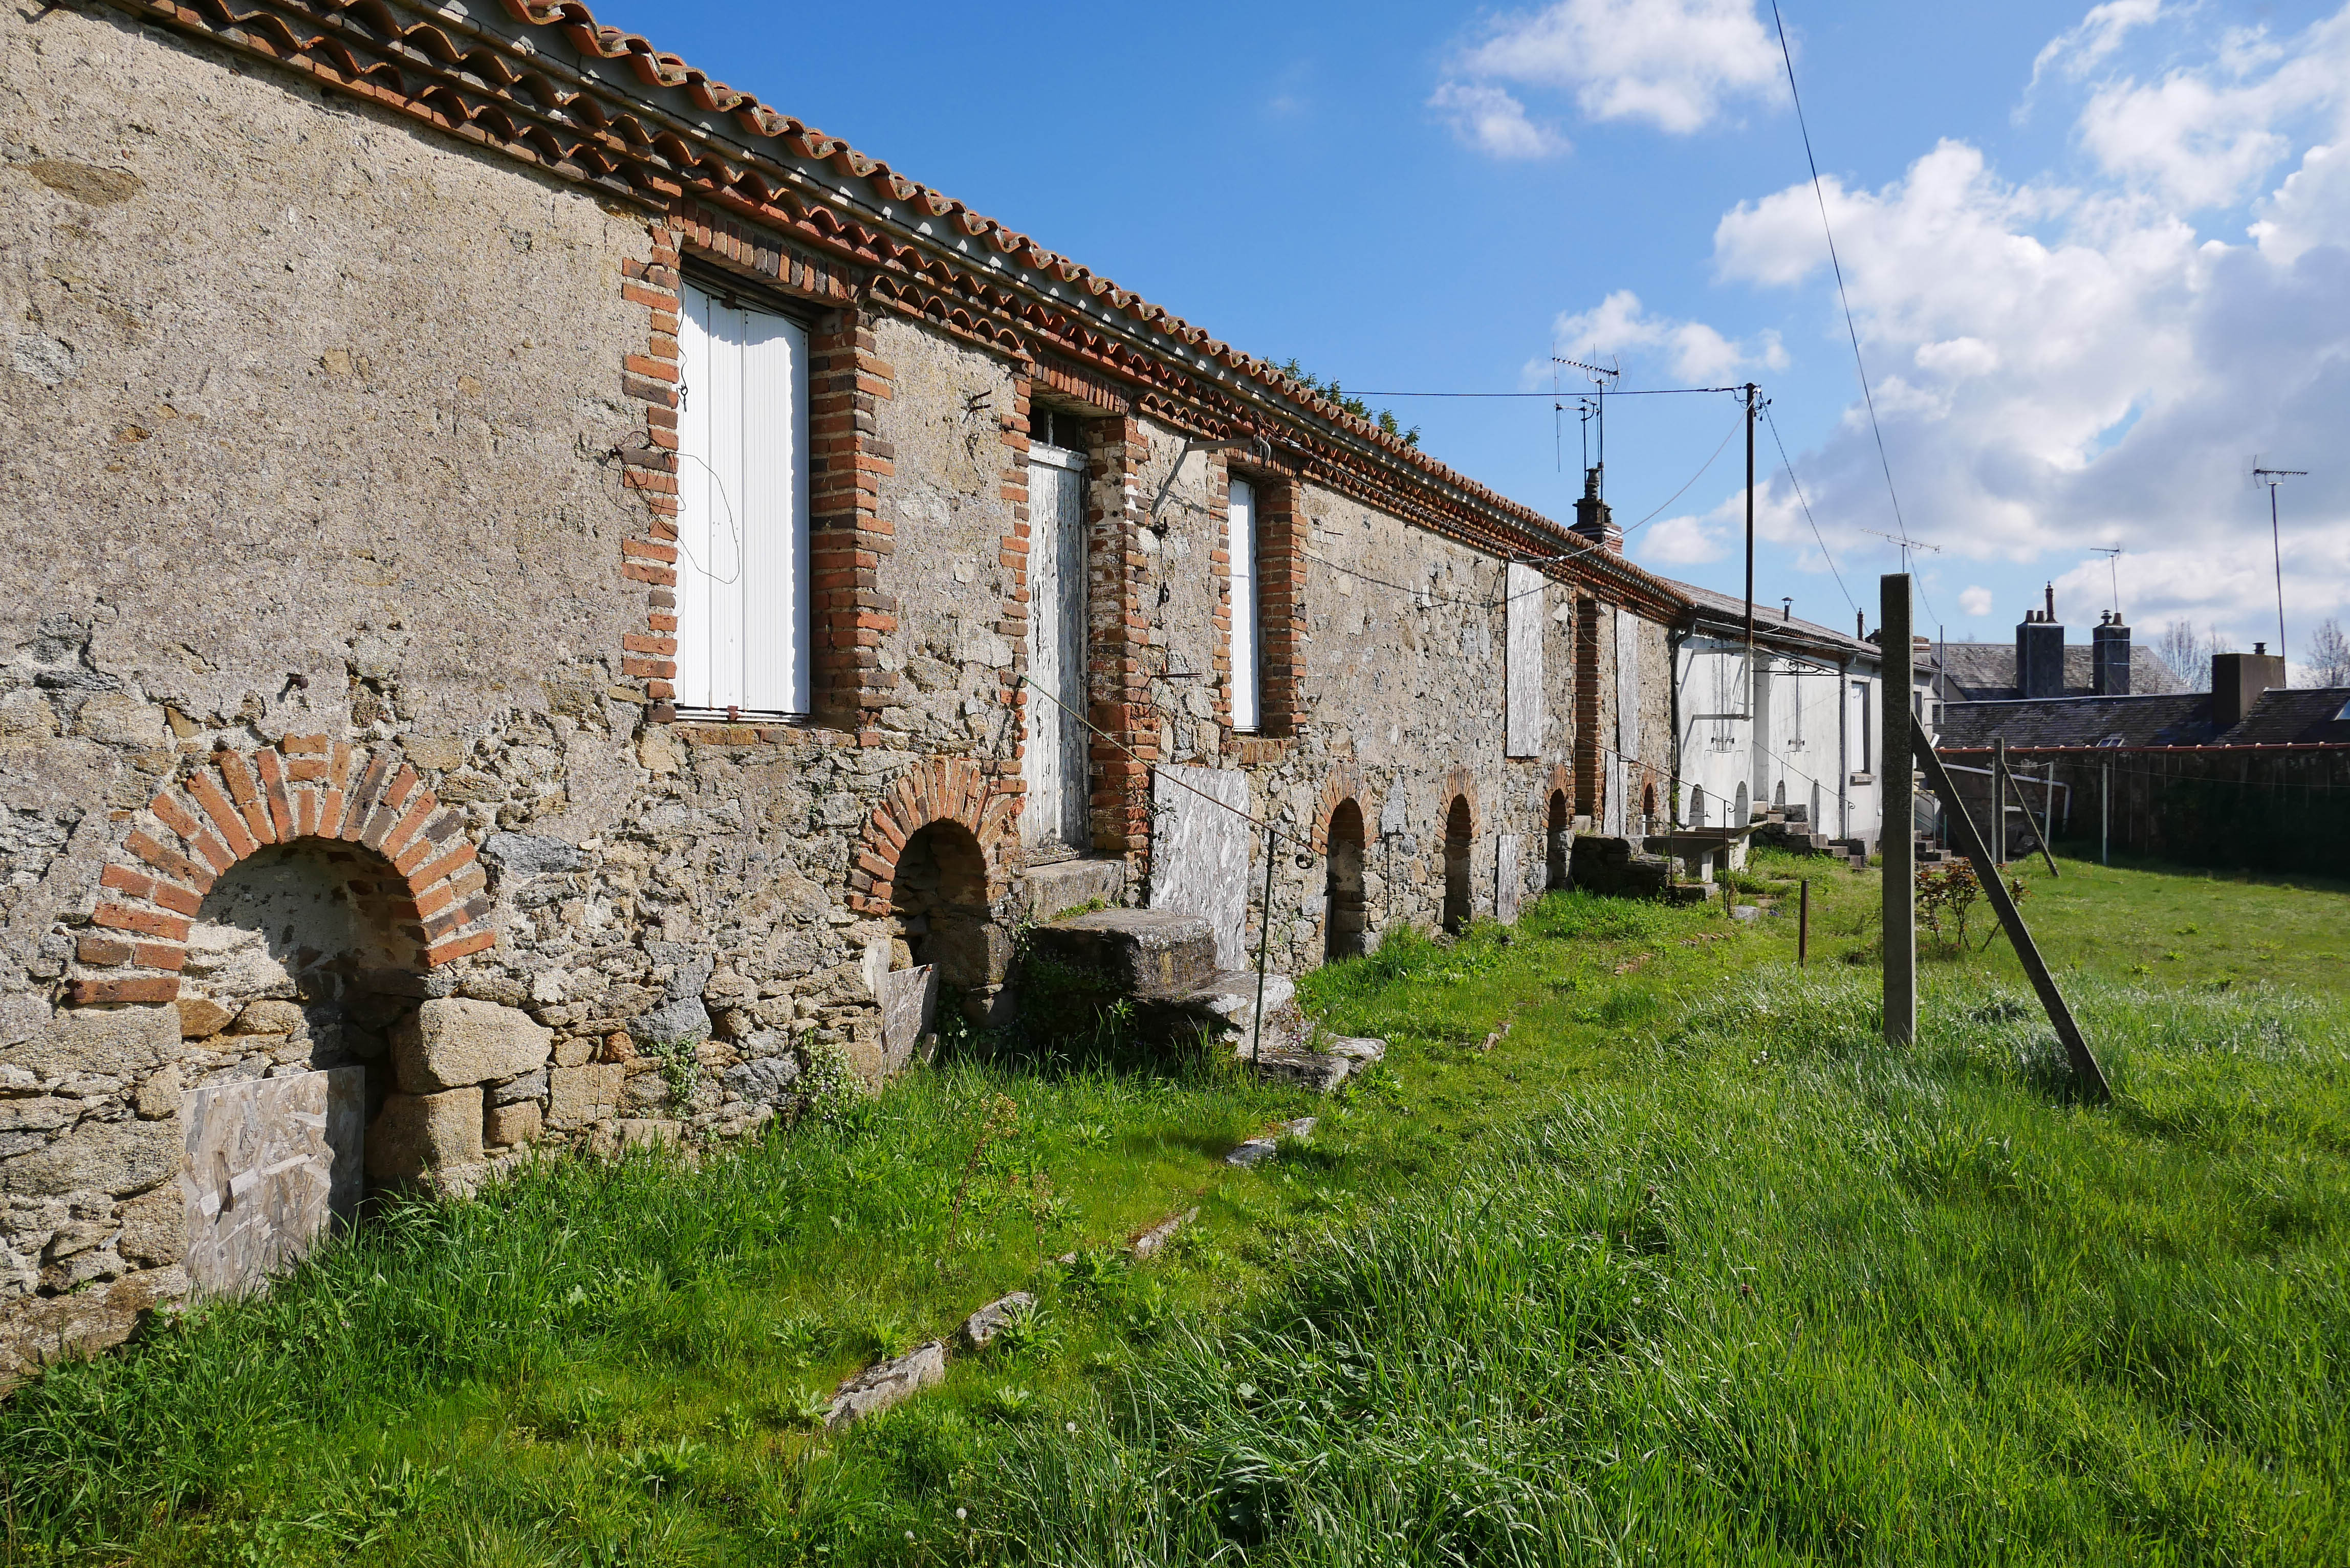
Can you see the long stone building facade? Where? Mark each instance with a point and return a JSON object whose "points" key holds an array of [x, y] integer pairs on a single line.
{"points": [[529, 566]]}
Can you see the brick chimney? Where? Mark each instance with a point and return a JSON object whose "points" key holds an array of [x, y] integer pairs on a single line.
{"points": [[1593, 521], [2040, 652], [2110, 656], [2239, 679]]}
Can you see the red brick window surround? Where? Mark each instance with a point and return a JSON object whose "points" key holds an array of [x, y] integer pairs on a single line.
{"points": [[1280, 528], [848, 615]]}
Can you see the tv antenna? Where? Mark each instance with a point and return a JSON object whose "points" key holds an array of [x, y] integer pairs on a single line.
{"points": [[2271, 477], [2113, 555], [1603, 375], [1907, 543]]}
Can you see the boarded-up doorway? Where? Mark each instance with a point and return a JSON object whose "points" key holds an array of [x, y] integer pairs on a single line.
{"points": [[1054, 815]]}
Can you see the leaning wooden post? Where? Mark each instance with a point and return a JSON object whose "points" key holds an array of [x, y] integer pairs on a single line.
{"points": [[1897, 835], [1804, 924], [2086, 1071], [2023, 803]]}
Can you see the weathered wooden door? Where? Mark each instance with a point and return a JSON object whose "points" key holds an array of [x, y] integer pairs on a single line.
{"points": [[1055, 817]]}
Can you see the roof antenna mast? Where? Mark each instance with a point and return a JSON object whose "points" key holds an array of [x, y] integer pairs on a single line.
{"points": [[1602, 375], [2113, 555], [2271, 477]]}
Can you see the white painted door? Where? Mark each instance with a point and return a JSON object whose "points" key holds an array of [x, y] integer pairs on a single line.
{"points": [[1055, 817]]}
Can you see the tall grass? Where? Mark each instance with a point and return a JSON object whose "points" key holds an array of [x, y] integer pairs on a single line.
{"points": [[1789, 1298]]}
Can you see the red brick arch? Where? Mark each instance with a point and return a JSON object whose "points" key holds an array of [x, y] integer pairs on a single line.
{"points": [[1345, 783], [1459, 784], [222, 809], [938, 789]]}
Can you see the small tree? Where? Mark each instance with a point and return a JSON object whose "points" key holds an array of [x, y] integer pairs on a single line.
{"points": [[2187, 654], [1946, 895], [2329, 654]]}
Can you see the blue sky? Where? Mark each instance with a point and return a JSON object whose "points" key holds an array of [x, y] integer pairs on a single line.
{"points": [[2098, 257]]}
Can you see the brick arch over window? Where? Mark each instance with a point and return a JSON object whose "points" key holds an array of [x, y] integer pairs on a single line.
{"points": [[1345, 783], [948, 789], [234, 802], [1460, 783]]}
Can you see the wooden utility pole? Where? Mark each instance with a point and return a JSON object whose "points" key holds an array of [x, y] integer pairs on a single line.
{"points": [[1897, 835], [1804, 923]]}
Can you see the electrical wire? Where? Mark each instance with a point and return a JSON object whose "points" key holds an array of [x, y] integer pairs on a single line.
{"points": [[1820, 194], [1693, 478], [1789, 464]]}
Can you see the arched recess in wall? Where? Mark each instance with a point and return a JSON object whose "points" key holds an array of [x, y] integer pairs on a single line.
{"points": [[1460, 836], [1558, 836], [1696, 807], [1741, 811], [1648, 806], [1346, 914], [935, 857], [356, 827]]}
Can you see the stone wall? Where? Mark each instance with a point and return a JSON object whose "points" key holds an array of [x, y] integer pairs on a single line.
{"points": [[334, 723]]}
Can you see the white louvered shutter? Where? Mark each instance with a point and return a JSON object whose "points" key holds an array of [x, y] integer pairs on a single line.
{"points": [[742, 524], [1242, 547]]}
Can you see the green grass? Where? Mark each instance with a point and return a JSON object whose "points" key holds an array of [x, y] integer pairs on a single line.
{"points": [[1686, 1267]]}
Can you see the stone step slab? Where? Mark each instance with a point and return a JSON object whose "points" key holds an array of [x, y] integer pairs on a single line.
{"points": [[1144, 953]]}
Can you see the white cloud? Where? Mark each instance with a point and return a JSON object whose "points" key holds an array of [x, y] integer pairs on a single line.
{"points": [[1975, 601], [2087, 45], [1682, 542], [1694, 351], [1677, 65], [2060, 367], [1490, 120]]}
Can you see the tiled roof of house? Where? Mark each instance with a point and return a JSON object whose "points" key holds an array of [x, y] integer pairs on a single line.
{"points": [[2309, 717], [550, 83], [1770, 624], [1985, 671]]}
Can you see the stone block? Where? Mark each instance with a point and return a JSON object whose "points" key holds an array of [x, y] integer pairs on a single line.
{"points": [[452, 1041], [1051, 890], [768, 1081], [578, 1096], [684, 1020], [160, 1095], [120, 1157], [111, 1041], [649, 1132], [909, 1001], [1138, 952], [155, 1227], [877, 1388], [1199, 852], [81, 1323], [200, 1017], [506, 1125], [980, 1329], [529, 1087], [416, 1133], [529, 855], [574, 1049], [42, 1112], [267, 1166], [268, 1016]]}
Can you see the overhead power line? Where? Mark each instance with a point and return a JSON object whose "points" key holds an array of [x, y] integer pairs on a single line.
{"points": [[1819, 193]]}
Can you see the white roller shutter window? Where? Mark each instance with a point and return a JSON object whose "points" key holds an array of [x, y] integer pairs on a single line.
{"points": [[743, 569], [1241, 548]]}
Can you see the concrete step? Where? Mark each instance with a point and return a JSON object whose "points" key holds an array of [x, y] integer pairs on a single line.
{"points": [[1151, 954], [1051, 890]]}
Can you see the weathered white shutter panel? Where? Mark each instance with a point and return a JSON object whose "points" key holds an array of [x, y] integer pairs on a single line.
{"points": [[742, 524], [1522, 717], [1241, 546]]}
